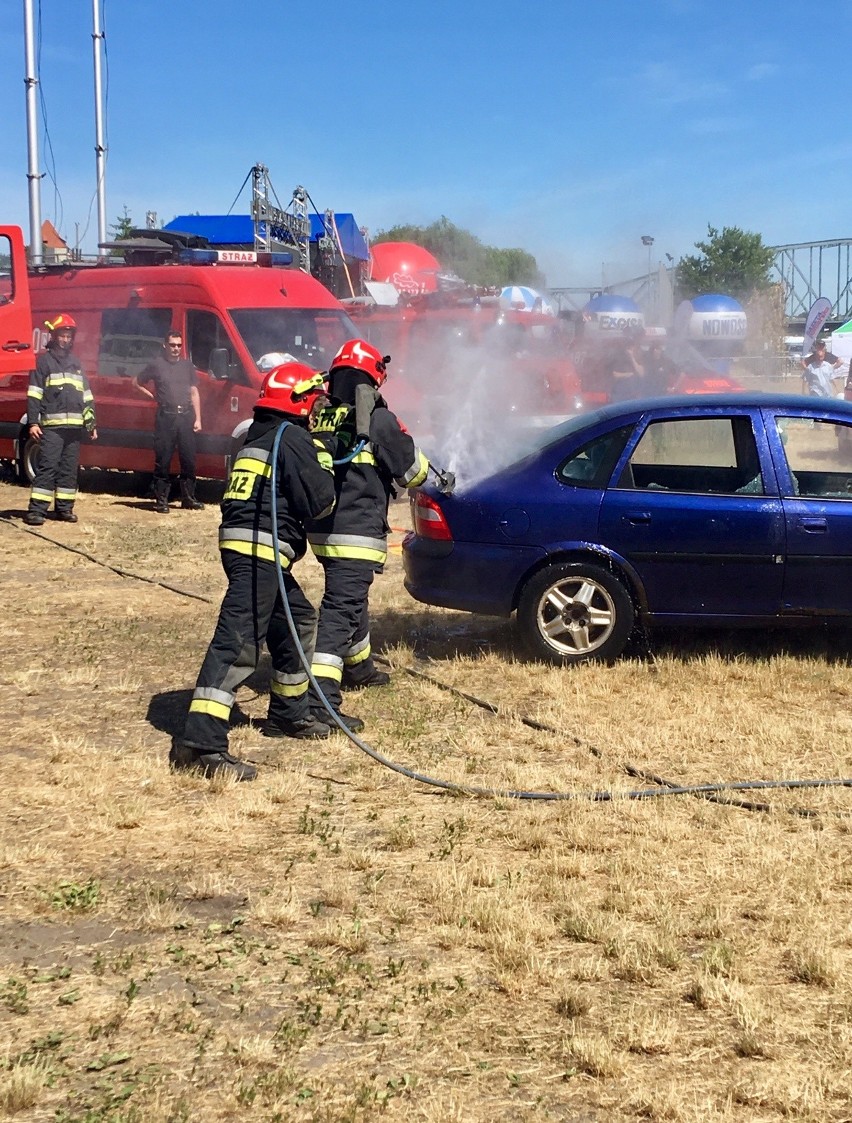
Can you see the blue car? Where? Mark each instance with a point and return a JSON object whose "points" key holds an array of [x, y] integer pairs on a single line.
{"points": [[730, 509]]}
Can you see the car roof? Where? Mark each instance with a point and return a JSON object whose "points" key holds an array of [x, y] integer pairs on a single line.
{"points": [[732, 400]]}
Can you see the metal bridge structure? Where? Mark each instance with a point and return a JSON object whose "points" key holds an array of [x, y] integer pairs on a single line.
{"points": [[806, 270]]}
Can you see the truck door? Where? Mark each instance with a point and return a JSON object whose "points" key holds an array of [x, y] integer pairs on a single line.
{"points": [[16, 323], [225, 401], [129, 339]]}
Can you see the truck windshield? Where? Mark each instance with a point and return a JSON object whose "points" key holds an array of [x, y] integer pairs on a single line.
{"points": [[309, 335]]}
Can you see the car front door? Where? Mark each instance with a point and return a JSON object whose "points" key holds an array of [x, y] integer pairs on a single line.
{"points": [[814, 459], [693, 508]]}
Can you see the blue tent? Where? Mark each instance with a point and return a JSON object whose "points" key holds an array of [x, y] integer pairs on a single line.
{"points": [[237, 230]]}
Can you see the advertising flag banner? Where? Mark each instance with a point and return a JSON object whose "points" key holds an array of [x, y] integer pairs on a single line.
{"points": [[818, 314]]}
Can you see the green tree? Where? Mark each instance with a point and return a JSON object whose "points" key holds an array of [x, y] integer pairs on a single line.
{"points": [[120, 229], [463, 253], [732, 261]]}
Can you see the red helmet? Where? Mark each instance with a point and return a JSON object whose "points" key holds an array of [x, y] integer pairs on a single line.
{"points": [[291, 388], [62, 322], [364, 356]]}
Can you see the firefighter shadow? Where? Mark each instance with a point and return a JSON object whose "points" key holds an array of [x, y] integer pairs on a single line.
{"points": [[167, 711]]}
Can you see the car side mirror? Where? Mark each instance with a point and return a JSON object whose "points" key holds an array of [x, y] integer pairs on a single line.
{"points": [[218, 363]]}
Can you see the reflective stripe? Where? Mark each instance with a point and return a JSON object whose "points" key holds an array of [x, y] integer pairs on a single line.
{"points": [[63, 419], [64, 380], [416, 474], [358, 654], [211, 694], [261, 454], [40, 494], [35, 392], [253, 550], [61, 493], [327, 666], [325, 460], [214, 709], [355, 553], [360, 645], [253, 465], [359, 540], [289, 690], [260, 538], [364, 457]]}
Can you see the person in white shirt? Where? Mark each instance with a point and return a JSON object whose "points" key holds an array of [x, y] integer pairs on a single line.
{"points": [[822, 372]]}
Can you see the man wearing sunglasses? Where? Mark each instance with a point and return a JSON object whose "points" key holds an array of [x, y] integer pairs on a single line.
{"points": [[178, 420]]}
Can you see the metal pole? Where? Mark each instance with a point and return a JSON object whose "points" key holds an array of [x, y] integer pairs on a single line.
{"points": [[100, 151], [33, 176]]}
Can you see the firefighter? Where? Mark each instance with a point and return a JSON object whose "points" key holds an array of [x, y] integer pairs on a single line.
{"points": [[351, 543], [252, 610], [59, 407]]}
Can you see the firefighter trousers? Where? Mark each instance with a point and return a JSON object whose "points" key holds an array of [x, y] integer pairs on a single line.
{"points": [[56, 469], [343, 631], [173, 430], [252, 611]]}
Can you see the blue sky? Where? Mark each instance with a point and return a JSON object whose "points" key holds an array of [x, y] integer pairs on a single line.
{"points": [[568, 130]]}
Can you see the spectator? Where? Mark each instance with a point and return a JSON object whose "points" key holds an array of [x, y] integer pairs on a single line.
{"points": [[822, 371]]}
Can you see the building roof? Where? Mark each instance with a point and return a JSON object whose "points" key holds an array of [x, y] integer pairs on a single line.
{"points": [[51, 238]]}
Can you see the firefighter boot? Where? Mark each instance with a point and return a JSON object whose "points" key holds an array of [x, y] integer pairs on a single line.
{"points": [[187, 496], [307, 728], [186, 758], [34, 517], [161, 497], [352, 723], [374, 678], [65, 515]]}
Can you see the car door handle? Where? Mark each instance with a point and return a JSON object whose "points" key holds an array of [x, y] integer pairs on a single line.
{"points": [[14, 345], [637, 518], [814, 526]]}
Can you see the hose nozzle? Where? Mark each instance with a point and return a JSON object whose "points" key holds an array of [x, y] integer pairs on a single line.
{"points": [[446, 480]]}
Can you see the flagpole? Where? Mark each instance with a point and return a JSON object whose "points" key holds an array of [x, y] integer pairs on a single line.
{"points": [[33, 176]]}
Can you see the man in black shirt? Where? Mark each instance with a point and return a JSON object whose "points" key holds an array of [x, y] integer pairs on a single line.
{"points": [[178, 420]]}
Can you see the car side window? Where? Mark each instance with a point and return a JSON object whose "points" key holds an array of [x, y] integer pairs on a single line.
{"points": [[131, 338], [819, 456], [206, 333], [592, 465], [703, 455]]}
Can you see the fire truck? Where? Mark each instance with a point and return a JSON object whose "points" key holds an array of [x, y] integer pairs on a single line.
{"points": [[233, 317], [448, 346]]}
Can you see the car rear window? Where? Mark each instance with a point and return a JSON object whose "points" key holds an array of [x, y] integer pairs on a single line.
{"points": [[592, 465]]}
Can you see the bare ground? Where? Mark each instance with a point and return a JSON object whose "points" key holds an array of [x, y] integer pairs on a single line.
{"points": [[336, 942]]}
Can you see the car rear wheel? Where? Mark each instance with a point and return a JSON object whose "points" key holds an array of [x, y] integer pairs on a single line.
{"points": [[573, 612]]}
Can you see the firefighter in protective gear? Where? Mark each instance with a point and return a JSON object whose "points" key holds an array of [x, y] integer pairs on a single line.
{"points": [[252, 610], [60, 407], [351, 544]]}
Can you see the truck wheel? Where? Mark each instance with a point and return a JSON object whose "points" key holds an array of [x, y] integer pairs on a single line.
{"points": [[574, 612], [28, 451]]}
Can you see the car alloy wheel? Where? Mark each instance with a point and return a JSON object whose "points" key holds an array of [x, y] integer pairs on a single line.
{"points": [[575, 611]]}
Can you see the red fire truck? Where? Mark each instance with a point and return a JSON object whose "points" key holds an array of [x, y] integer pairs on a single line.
{"points": [[448, 345], [231, 317]]}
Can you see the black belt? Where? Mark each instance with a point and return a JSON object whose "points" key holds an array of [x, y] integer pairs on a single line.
{"points": [[176, 409]]}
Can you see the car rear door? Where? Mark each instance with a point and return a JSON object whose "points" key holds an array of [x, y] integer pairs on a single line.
{"points": [[813, 457], [693, 506]]}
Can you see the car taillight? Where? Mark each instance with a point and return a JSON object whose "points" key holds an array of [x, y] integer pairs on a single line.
{"points": [[429, 521]]}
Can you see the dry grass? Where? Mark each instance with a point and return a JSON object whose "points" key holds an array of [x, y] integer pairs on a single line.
{"points": [[336, 943]]}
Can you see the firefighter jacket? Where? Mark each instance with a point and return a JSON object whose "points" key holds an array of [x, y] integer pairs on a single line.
{"points": [[357, 528], [305, 491], [58, 395]]}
